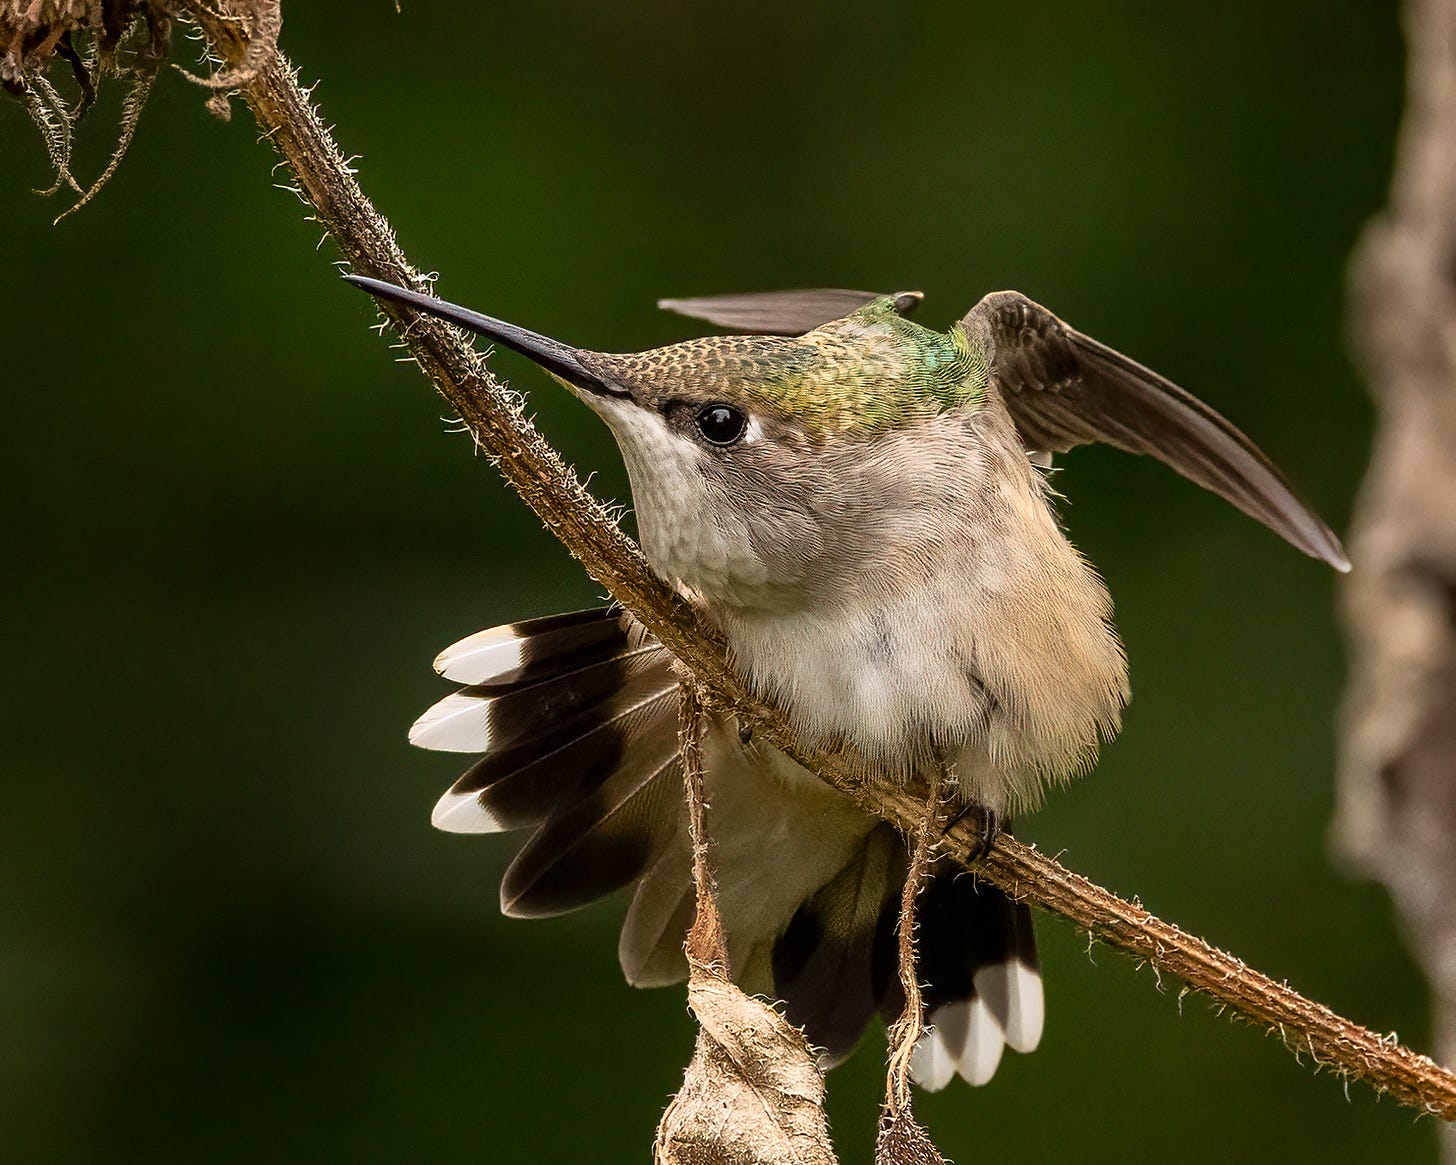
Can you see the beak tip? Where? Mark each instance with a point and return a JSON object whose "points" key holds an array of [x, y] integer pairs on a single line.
{"points": [[373, 286]]}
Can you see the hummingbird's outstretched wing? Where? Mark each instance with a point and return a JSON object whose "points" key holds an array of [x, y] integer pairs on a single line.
{"points": [[1065, 389], [782, 313]]}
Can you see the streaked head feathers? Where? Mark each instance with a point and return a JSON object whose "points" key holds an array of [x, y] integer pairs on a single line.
{"points": [[859, 375]]}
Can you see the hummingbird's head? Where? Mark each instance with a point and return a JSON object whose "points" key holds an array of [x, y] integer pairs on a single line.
{"points": [[764, 468]]}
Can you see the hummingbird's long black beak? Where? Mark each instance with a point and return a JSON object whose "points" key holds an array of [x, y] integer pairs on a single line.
{"points": [[559, 359]]}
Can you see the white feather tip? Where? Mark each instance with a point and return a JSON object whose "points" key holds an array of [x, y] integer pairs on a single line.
{"points": [[463, 813], [458, 723], [482, 657]]}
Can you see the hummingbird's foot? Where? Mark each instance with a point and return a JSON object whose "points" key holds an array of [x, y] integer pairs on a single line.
{"points": [[988, 823]]}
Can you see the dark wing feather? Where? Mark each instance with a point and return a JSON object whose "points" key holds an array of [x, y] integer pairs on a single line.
{"points": [[781, 313], [1065, 389]]}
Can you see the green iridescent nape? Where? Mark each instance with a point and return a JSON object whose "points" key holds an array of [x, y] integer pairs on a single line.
{"points": [[870, 372], [863, 374]]}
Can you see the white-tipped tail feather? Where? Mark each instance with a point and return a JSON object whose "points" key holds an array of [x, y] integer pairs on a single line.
{"points": [[463, 813], [985, 1040], [932, 1063], [1013, 992], [458, 723], [480, 658]]}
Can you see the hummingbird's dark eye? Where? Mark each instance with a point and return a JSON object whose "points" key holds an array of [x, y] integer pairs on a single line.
{"points": [[721, 424]]}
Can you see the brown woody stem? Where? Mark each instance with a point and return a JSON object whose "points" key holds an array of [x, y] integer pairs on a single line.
{"points": [[707, 947]]}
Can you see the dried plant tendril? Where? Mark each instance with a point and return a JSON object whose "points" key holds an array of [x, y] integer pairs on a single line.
{"points": [[84, 42]]}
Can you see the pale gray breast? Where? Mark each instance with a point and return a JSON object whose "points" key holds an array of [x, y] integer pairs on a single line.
{"points": [[942, 610]]}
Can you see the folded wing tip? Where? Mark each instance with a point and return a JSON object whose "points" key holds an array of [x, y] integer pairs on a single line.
{"points": [[1324, 544]]}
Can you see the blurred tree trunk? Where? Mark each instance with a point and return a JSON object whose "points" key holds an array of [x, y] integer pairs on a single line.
{"points": [[1397, 790]]}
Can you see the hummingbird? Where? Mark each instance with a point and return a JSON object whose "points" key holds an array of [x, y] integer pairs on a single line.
{"points": [[862, 506]]}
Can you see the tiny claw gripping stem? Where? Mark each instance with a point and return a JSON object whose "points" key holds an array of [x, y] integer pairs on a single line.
{"points": [[988, 823]]}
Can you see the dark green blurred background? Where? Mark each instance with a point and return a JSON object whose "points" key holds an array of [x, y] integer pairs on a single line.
{"points": [[237, 533]]}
